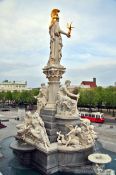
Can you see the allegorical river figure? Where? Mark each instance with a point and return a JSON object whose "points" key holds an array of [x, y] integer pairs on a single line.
{"points": [[65, 103], [56, 39]]}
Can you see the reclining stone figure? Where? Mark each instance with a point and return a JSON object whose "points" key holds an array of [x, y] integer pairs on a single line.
{"points": [[32, 131]]}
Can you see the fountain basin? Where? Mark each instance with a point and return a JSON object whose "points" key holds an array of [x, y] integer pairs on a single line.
{"points": [[23, 152], [55, 159]]}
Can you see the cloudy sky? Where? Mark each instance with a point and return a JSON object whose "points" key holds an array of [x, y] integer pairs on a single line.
{"points": [[24, 40]]}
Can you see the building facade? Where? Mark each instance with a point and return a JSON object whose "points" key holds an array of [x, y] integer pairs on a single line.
{"points": [[89, 84], [13, 86]]}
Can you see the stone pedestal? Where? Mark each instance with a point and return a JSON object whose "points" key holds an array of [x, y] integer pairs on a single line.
{"points": [[63, 121], [23, 152], [54, 159], [48, 116], [46, 162], [54, 74], [74, 161], [62, 161]]}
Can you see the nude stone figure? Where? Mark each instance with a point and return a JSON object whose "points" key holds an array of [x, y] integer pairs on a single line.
{"points": [[42, 98]]}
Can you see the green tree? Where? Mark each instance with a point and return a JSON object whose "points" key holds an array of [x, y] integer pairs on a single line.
{"points": [[8, 97], [87, 98], [35, 91], [99, 92]]}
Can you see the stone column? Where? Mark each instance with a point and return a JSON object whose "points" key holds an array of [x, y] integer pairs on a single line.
{"points": [[53, 89], [54, 74]]}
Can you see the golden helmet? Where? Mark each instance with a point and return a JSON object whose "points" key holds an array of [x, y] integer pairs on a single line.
{"points": [[54, 13]]}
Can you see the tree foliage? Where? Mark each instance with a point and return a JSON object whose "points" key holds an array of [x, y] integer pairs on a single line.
{"points": [[98, 97], [94, 97], [16, 97]]}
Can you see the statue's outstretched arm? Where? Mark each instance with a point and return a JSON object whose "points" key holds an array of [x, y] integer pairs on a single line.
{"points": [[71, 94], [64, 33]]}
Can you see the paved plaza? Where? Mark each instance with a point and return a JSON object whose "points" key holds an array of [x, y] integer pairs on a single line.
{"points": [[10, 130], [107, 135]]}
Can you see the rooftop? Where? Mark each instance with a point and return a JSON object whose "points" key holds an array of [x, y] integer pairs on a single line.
{"points": [[89, 83], [13, 82]]}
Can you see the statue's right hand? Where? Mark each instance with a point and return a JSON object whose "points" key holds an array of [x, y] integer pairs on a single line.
{"points": [[68, 35]]}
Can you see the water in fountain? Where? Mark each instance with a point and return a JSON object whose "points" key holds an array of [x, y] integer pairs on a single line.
{"points": [[9, 165], [97, 147]]}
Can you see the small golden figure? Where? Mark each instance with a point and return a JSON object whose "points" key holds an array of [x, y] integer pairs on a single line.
{"points": [[69, 26]]}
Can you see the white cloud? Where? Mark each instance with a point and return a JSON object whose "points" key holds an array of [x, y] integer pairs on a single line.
{"points": [[105, 74], [24, 38], [7, 7]]}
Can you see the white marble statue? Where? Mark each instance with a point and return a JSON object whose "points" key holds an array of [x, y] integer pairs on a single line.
{"points": [[38, 130], [42, 98], [24, 127], [61, 139], [32, 131], [78, 137], [56, 39], [87, 135], [66, 106], [85, 121], [71, 139]]}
